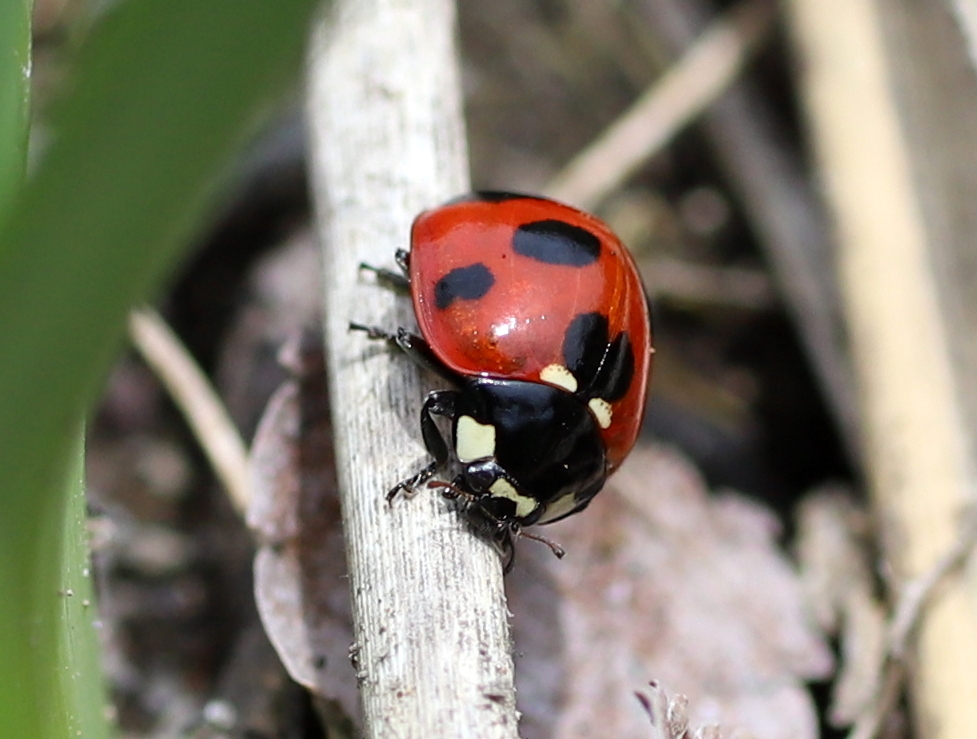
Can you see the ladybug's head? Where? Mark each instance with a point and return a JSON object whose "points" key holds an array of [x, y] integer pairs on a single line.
{"points": [[528, 452]]}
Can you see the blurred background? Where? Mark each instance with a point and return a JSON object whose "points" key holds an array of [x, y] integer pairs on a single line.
{"points": [[754, 386]]}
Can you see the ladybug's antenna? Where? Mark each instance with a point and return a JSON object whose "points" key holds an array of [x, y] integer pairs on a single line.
{"points": [[558, 551]]}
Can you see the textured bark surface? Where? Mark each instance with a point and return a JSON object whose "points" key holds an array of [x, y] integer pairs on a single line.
{"points": [[432, 643]]}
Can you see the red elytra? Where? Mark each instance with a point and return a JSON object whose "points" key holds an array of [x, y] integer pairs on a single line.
{"points": [[498, 280]]}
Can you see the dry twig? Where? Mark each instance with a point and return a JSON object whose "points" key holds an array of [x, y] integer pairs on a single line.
{"points": [[681, 94], [197, 400], [892, 233], [727, 287], [914, 598], [387, 140], [669, 717], [773, 184], [838, 578]]}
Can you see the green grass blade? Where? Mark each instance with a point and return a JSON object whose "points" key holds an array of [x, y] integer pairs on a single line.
{"points": [[15, 55], [79, 685], [15, 49], [161, 96]]}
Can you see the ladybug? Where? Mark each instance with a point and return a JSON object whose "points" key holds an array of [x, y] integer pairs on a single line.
{"points": [[534, 313]]}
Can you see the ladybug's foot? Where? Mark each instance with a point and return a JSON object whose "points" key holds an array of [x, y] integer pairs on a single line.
{"points": [[373, 332], [409, 486]]}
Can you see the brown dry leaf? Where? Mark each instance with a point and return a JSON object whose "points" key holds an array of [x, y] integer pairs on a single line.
{"points": [[663, 582], [300, 567]]}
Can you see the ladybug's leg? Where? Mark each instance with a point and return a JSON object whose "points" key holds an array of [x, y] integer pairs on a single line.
{"points": [[397, 280], [413, 346], [374, 332], [393, 279], [438, 403]]}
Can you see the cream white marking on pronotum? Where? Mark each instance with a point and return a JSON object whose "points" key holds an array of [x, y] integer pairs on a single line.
{"points": [[557, 374], [474, 440], [502, 488], [602, 410], [559, 508]]}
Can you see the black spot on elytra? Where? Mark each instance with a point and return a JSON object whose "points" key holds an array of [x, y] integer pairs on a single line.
{"points": [[603, 368], [616, 372], [584, 344], [556, 242], [463, 283]]}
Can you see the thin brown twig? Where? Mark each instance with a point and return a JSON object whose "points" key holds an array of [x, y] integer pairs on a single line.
{"points": [[918, 592], [916, 595], [682, 93], [868, 726], [196, 399], [728, 287], [773, 185]]}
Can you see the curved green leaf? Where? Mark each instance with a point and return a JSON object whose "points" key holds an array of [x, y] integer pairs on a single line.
{"points": [[161, 96], [15, 63]]}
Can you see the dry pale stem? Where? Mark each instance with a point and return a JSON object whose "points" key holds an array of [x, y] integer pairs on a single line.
{"points": [[910, 609], [387, 140], [197, 400], [695, 81], [772, 183], [917, 441]]}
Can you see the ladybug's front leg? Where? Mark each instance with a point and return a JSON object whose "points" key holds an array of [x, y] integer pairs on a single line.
{"points": [[438, 403]]}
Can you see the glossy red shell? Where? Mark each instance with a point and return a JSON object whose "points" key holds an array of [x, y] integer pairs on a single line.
{"points": [[518, 326]]}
